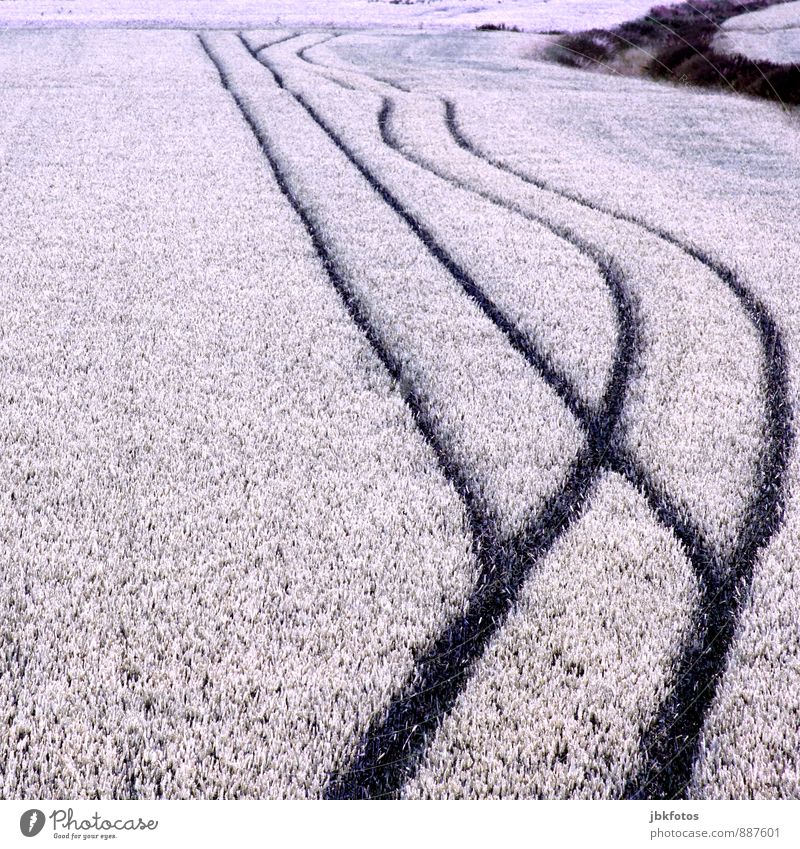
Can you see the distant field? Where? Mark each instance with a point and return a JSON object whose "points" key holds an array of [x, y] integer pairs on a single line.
{"points": [[769, 35], [389, 414], [535, 15]]}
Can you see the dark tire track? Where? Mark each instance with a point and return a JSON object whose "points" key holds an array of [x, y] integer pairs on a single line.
{"points": [[702, 660], [600, 427], [394, 743], [391, 749], [704, 560], [671, 744], [275, 43], [555, 379], [319, 68], [616, 457], [301, 54]]}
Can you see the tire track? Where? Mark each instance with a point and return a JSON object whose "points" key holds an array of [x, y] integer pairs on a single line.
{"points": [[384, 763], [537, 359], [390, 751], [670, 746], [275, 43], [703, 558], [319, 68], [617, 458], [600, 427], [301, 54], [669, 762]]}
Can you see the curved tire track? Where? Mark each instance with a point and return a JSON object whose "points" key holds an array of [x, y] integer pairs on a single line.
{"points": [[551, 375], [392, 746], [670, 744], [301, 54], [394, 743]]}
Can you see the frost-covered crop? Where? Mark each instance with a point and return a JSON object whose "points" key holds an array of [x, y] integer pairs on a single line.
{"points": [[392, 415], [768, 35], [534, 15]]}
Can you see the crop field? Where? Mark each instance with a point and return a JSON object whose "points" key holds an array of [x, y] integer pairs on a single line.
{"points": [[391, 414], [771, 34]]}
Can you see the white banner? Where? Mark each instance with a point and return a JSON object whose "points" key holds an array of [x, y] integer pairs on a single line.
{"points": [[403, 824]]}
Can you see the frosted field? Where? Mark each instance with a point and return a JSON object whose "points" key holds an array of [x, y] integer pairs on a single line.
{"points": [[769, 35], [389, 414], [533, 15]]}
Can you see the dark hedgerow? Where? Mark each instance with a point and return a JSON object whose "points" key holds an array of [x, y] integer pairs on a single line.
{"points": [[708, 68], [675, 43], [584, 48], [497, 28]]}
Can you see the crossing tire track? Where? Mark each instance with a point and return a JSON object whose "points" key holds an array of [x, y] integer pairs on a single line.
{"points": [[392, 746], [670, 746]]}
